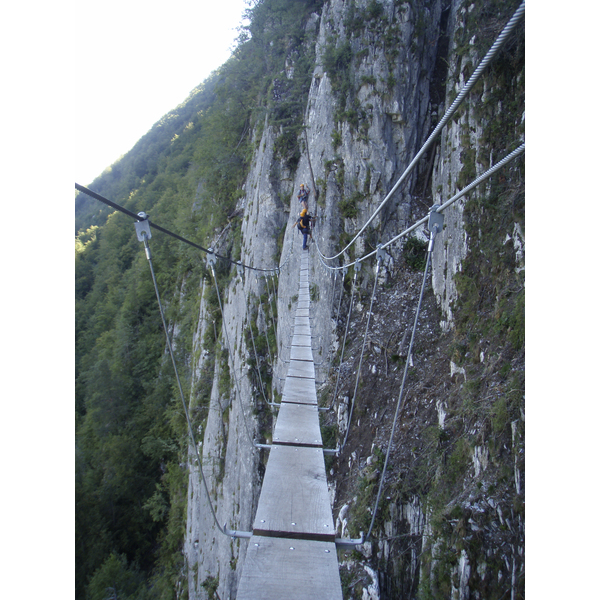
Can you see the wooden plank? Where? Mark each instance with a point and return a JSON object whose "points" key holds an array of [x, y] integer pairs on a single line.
{"points": [[302, 330], [303, 321], [301, 353], [294, 500], [273, 571], [301, 340], [301, 368], [299, 391], [298, 424], [303, 304], [302, 312]]}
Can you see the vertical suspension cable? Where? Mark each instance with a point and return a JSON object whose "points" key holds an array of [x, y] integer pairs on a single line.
{"points": [[400, 403], [212, 270], [262, 388], [185, 408], [362, 353], [337, 316], [274, 296], [266, 323], [335, 273], [337, 382]]}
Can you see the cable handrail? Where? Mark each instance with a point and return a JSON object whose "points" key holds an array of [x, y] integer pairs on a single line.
{"points": [[514, 154]]}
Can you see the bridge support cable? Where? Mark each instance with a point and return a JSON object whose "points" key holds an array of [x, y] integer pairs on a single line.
{"points": [[362, 351], [491, 54], [266, 323], [436, 224], [271, 356], [241, 274], [211, 259], [139, 218], [344, 272], [273, 297], [357, 267], [510, 157], [273, 317], [143, 233], [262, 388], [327, 372]]}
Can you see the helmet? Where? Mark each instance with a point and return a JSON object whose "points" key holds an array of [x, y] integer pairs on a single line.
{"points": [[301, 185]]}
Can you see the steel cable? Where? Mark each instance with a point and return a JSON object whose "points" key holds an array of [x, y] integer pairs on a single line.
{"points": [[262, 388], [362, 352], [344, 342], [400, 403], [266, 324], [185, 408], [514, 154], [232, 359], [137, 217]]}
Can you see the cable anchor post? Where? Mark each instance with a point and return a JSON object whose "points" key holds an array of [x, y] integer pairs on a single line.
{"points": [[211, 259], [142, 229], [435, 225], [380, 255]]}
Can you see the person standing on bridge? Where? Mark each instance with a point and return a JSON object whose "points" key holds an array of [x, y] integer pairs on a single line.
{"points": [[304, 225], [303, 196]]}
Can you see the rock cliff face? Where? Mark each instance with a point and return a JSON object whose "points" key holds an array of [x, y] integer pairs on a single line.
{"points": [[377, 91]]}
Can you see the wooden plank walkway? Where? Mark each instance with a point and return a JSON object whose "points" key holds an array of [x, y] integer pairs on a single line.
{"points": [[283, 569], [292, 552]]}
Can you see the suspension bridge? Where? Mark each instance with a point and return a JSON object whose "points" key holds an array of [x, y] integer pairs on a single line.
{"points": [[291, 551], [293, 532]]}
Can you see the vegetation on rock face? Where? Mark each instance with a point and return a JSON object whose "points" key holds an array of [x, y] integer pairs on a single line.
{"points": [[458, 457], [188, 174]]}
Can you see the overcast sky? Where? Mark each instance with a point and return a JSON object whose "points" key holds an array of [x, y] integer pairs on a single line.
{"points": [[134, 62]]}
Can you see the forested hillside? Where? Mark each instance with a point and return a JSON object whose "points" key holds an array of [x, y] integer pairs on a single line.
{"points": [[186, 173], [341, 93]]}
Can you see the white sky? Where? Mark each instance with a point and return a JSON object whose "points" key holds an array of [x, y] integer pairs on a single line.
{"points": [[134, 62]]}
